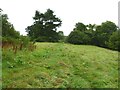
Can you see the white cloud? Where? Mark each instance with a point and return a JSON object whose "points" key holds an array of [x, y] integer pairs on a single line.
{"points": [[20, 12]]}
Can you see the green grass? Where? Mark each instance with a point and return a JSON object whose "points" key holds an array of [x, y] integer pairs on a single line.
{"points": [[58, 65]]}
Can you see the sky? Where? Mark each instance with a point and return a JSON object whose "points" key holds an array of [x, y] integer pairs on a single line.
{"points": [[20, 12]]}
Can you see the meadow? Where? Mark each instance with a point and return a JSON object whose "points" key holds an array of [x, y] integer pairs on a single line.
{"points": [[60, 65]]}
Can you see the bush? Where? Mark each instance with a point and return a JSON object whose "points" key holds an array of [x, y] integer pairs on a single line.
{"points": [[74, 37], [24, 40], [78, 37], [15, 44], [8, 41]]}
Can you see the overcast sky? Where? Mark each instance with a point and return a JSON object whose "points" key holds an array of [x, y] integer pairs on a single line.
{"points": [[20, 12]]}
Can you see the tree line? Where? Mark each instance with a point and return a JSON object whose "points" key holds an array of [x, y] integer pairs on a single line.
{"points": [[106, 35], [44, 29]]}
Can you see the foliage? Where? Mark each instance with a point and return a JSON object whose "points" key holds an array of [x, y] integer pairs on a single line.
{"points": [[11, 39], [74, 37], [25, 40], [61, 36], [80, 26], [103, 33], [98, 35], [108, 27], [78, 37], [114, 41], [81, 34], [8, 29], [44, 27]]}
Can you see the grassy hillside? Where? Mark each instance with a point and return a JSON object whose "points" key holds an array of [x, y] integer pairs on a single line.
{"points": [[54, 65]]}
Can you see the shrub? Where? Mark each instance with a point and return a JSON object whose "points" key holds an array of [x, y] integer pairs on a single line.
{"points": [[24, 40], [78, 37]]}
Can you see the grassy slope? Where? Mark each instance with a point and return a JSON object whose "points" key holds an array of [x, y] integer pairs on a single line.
{"points": [[61, 65]]}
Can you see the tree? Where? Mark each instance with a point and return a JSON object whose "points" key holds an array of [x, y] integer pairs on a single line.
{"points": [[80, 26], [78, 37], [0, 11], [114, 40], [74, 37], [61, 36], [91, 27], [44, 27], [92, 34], [82, 34], [8, 28], [108, 27], [103, 33]]}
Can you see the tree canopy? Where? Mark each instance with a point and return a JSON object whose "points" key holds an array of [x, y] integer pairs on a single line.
{"points": [[8, 28], [44, 27], [104, 35]]}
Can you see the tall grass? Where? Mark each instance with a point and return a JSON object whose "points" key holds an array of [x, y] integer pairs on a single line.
{"points": [[59, 65]]}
